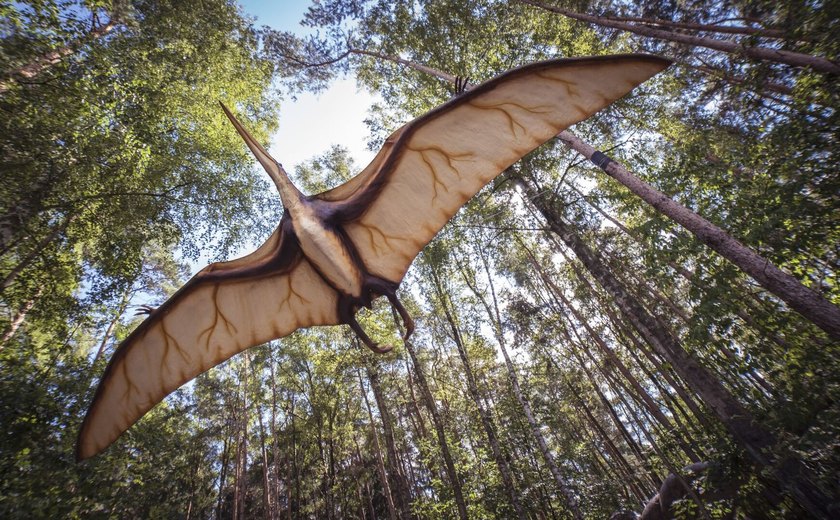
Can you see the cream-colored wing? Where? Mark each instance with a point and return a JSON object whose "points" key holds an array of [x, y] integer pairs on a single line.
{"points": [[434, 164], [225, 309]]}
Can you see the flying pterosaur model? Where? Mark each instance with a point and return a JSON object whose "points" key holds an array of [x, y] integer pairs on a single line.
{"points": [[334, 252]]}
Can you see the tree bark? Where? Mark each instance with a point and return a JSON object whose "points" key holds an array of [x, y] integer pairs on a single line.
{"points": [[486, 419], [241, 485], [808, 303], [123, 305], [795, 59], [267, 505], [428, 399], [752, 436], [31, 70], [612, 359], [380, 463], [495, 317], [399, 487], [223, 476], [19, 317], [701, 27], [32, 255]]}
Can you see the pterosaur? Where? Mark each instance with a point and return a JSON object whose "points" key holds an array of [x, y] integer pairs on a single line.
{"points": [[334, 252]]}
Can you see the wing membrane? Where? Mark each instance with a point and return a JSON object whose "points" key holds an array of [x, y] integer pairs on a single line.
{"points": [[434, 164], [225, 309]]}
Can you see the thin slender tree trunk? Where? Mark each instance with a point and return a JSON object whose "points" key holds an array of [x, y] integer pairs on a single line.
{"points": [[486, 419], [421, 423], [267, 505], [19, 317], [723, 29], [31, 70], [795, 59], [621, 462], [751, 435], [364, 488], [223, 477], [612, 358], [493, 313], [126, 298], [241, 485], [644, 348], [580, 403], [380, 463], [667, 462], [769, 86], [294, 477], [454, 480], [275, 449], [399, 486], [32, 255], [808, 303], [688, 276]]}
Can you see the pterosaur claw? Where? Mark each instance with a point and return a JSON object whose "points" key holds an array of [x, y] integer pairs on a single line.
{"points": [[346, 312], [461, 85], [144, 309], [406, 318]]}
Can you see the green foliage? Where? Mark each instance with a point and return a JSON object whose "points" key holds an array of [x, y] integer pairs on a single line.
{"points": [[118, 165]]}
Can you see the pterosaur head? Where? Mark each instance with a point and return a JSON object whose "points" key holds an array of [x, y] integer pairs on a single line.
{"points": [[288, 191]]}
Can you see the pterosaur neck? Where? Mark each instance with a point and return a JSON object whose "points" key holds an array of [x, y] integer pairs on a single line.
{"points": [[289, 193]]}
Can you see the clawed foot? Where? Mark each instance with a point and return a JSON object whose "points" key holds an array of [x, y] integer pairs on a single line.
{"points": [[144, 309], [347, 314], [461, 85]]}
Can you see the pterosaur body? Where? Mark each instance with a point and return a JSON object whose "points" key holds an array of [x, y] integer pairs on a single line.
{"points": [[336, 251]]}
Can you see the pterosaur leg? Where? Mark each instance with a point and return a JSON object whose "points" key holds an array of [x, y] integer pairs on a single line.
{"points": [[389, 290], [406, 318], [346, 313]]}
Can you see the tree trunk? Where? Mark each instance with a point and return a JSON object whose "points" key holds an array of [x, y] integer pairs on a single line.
{"points": [[421, 423], [486, 419], [123, 305], [668, 464], [19, 317], [495, 318], [428, 399], [31, 70], [624, 467], [32, 255], [752, 436], [399, 488], [611, 357], [223, 477], [241, 485], [267, 495], [275, 448], [795, 59], [808, 303], [701, 27], [380, 463]]}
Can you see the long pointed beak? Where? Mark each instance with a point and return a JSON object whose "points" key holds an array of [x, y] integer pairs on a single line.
{"points": [[272, 167]]}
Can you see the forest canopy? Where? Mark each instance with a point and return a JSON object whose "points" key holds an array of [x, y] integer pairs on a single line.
{"points": [[640, 318]]}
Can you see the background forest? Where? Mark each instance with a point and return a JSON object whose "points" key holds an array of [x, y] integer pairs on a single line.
{"points": [[586, 337]]}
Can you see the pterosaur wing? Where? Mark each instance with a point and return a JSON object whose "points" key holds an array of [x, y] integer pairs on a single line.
{"points": [[224, 309], [429, 168]]}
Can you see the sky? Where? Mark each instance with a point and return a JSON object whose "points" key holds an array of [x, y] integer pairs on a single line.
{"points": [[311, 124]]}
